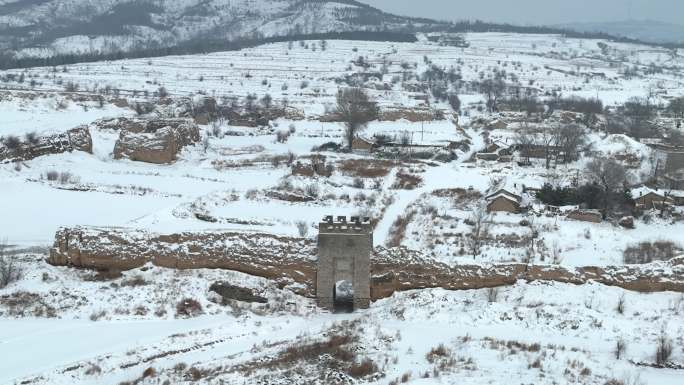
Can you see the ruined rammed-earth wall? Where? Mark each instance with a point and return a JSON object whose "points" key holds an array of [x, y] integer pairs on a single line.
{"points": [[292, 262], [289, 261]]}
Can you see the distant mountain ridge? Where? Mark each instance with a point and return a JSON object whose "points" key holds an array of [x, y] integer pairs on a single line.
{"points": [[35, 28], [644, 30], [58, 32]]}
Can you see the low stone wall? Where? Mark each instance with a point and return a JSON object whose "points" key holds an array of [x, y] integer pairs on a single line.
{"points": [[292, 262]]}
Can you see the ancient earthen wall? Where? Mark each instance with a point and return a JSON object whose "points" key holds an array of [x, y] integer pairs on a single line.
{"points": [[289, 261], [292, 262]]}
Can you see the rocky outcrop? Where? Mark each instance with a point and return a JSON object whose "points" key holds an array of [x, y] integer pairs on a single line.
{"points": [[229, 292], [288, 261], [153, 141], [627, 222], [76, 139], [292, 262]]}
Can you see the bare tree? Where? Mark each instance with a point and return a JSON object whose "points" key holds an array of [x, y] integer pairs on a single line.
{"points": [[267, 101], [480, 221], [355, 109], [9, 271], [569, 139], [608, 174], [492, 89], [546, 138], [525, 140], [640, 112], [454, 102], [676, 107]]}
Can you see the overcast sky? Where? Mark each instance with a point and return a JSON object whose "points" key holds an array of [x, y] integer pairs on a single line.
{"points": [[538, 11]]}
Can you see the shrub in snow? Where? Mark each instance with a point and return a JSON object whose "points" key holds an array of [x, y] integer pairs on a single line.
{"points": [[436, 353], [492, 294], [9, 271], [647, 252], [664, 349], [620, 347], [302, 228], [312, 190], [32, 138], [282, 136], [621, 304], [12, 142], [67, 177], [188, 307], [52, 176], [363, 369], [251, 194], [162, 92], [98, 315]]}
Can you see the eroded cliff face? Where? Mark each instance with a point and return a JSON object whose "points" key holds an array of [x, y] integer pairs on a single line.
{"points": [[292, 262]]}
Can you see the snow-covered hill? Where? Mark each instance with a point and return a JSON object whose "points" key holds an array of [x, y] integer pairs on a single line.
{"points": [[49, 27]]}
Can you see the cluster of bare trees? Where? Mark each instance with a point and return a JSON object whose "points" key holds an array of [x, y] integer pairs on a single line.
{"points": [[560, 144], [611, 176], [634, 118], [492, 89]]}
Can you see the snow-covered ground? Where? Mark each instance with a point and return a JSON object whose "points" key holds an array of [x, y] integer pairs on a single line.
{"points": [[305, 75], [538, 333]]}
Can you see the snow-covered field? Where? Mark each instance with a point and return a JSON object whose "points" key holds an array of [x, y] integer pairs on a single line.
{"points": [[304, 74], [113, 331], [64, 326]]}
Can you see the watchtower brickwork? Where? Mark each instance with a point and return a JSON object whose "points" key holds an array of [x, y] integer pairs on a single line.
{"points": [[344, 251]]}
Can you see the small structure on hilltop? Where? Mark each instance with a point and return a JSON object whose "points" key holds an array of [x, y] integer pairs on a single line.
{"points": [[344, 250]]}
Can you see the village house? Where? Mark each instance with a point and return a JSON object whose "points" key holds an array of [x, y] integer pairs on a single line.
{"points": [[362, 145], [647, 198], [506, 198], [496, 151]]}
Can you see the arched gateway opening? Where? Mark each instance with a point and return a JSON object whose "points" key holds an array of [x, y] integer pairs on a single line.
{"points": [[343, 276], [343, 297]]}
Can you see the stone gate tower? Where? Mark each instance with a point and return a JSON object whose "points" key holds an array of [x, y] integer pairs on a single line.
{"points": [[344, 250]]}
